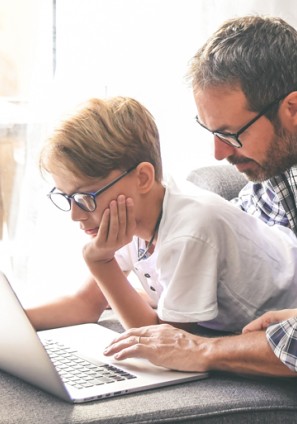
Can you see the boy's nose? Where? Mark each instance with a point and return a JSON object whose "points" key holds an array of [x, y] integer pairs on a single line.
{"points": [[77, 213]]}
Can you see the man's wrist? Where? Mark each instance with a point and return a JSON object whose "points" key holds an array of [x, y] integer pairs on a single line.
{"points": [[211, 353], [243, 354]]}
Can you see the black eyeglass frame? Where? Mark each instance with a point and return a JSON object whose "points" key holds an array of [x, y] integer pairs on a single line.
{"points": [[93, 195], [235, 136]]}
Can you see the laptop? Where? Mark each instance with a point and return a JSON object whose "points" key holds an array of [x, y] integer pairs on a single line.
{"points": [[68, 362]]}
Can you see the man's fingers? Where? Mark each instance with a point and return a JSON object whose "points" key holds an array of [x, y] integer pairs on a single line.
{"points": [[134, 351], [269, 318], [140, 337], [123, 342], [256, 325]]}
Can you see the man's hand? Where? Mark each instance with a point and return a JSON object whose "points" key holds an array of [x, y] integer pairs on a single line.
{"points": [[162, 345], [176, 349], [271, 317], [116, 229]]}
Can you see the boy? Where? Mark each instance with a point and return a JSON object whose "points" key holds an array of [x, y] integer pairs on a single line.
{"points": [[198, 257]]}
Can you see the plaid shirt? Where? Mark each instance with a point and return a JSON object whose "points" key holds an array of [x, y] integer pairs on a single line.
{"points": [[261, 200], [274, 202], [285, 187], [282, 338]]}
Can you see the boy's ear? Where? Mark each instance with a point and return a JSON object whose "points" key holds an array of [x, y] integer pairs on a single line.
{"points": [[288, 111], [145, 176]]}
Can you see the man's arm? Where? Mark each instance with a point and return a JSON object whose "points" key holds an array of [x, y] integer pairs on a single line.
{"points": [[281, 334], [173, 348]]}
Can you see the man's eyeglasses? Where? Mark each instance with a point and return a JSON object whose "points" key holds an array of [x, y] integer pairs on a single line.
{"points": [[233, 138], [86, 201]]}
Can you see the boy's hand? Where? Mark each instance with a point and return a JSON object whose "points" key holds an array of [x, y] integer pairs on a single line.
{"points": [[116, 229], [271, 317]]}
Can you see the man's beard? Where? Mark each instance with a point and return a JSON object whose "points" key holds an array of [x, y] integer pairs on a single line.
{"points": [[281, 155]]}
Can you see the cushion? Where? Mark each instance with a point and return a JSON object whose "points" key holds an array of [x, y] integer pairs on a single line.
{"points": [[224, 180]]}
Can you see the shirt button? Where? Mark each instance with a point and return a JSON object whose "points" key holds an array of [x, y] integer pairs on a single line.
{"points": [[152, 288], [147, 275]]}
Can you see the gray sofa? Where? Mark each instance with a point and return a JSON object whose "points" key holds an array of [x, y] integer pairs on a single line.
{"points": [[222, 398]]}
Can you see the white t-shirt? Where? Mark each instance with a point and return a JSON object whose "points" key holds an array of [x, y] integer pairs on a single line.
{"points": [[213, 263]]}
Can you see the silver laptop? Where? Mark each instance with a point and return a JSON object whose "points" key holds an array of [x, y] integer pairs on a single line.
{"points": [[68, 362]]}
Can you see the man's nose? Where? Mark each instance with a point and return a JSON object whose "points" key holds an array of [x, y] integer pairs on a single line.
{"points": [[222, 150]]}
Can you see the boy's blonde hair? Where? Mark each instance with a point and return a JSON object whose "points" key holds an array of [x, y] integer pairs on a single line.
{"points": [[102, 136]]}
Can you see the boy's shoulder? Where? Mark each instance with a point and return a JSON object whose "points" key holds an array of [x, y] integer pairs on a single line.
{"points": [[185, 189], [184, 202]]}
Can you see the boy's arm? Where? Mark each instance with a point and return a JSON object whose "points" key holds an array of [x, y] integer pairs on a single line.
{"points": [[84, 306], [173, 348], [116, 230], [132, 309]]}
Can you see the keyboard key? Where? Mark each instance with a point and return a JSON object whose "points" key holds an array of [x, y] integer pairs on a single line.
{"points": [[79, 372]]}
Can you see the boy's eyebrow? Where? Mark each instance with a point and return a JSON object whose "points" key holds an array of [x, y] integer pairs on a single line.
{"points": [[77, 190], [80, 189]]}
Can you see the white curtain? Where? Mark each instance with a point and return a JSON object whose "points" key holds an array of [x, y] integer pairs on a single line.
{"points": [[140, 49], [26, 37]]}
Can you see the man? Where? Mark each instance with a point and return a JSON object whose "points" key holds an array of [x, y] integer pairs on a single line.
{"points": [[244, 81]]}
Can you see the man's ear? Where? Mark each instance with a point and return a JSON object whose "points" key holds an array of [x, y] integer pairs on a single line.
{"points": [[145, 177], [288, 111]]}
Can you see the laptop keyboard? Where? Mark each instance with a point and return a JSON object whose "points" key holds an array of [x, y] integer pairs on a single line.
{"points": [[79, 372]]}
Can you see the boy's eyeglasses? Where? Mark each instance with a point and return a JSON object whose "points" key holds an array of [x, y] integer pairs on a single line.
{"points": [[86, 201], [232, 139]]}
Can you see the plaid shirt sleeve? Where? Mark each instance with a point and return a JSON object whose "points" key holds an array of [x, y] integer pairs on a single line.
{"points": [[260, 200], [282, 338]]}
